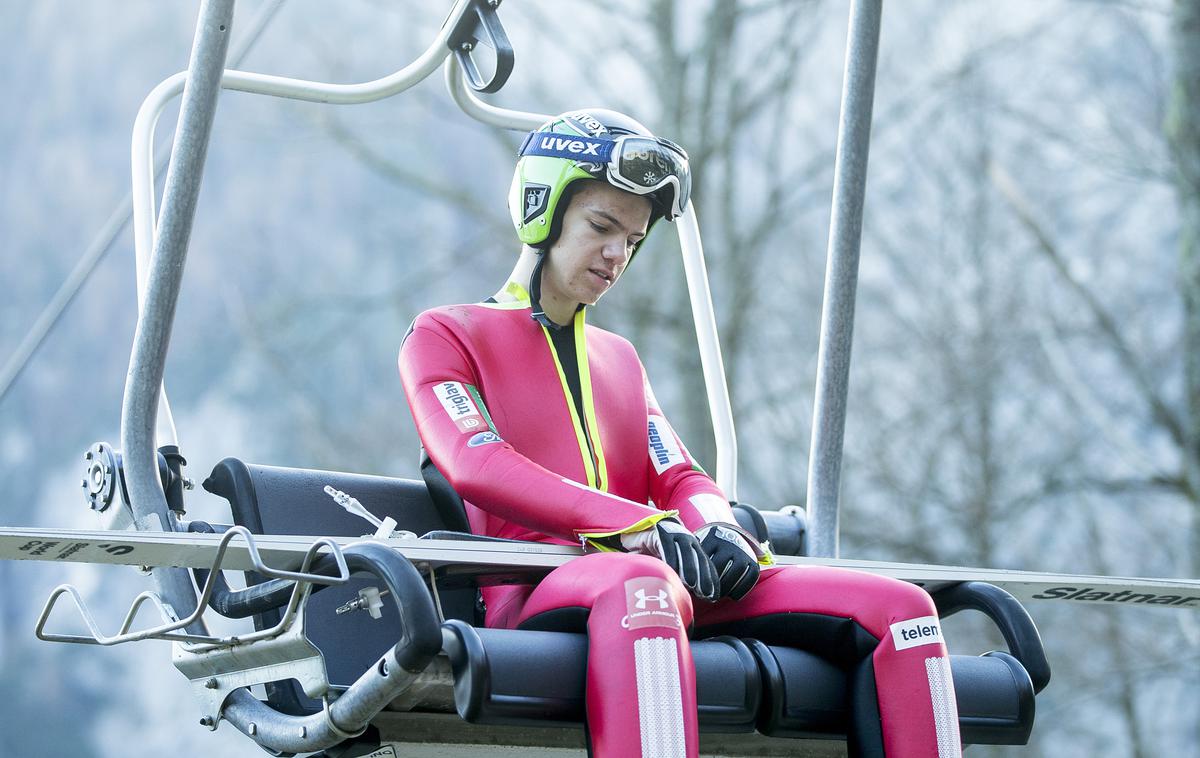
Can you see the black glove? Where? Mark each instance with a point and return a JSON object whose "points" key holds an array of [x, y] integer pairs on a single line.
{"points": [[674, 544], [732, 557]]}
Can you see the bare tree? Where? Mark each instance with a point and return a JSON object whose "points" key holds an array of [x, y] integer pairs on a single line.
{"points": [[1183, 137], [1012, 385]]}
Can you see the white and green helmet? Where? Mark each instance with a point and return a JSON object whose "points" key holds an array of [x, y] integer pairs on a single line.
{"points": [[593, 143]]}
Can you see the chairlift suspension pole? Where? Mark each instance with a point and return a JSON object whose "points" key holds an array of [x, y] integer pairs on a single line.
{"points": [[841, 278], [153, 335]]}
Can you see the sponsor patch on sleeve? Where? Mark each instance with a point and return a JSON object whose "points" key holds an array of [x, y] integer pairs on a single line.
{"points": [[460, 407], [483, 438], [923, 630], [664, 449]]}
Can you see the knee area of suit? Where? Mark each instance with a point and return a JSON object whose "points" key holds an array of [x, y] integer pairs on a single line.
{"points": [[908, 600], [635, 566]]}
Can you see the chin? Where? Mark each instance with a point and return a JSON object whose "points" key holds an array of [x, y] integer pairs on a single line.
{"points": [[589, 298]]}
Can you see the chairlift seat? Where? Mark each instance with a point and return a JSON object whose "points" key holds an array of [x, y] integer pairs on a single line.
{"points": [[742, 684]]}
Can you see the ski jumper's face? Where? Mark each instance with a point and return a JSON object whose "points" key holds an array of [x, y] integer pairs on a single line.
{"points": [[600, 229]]}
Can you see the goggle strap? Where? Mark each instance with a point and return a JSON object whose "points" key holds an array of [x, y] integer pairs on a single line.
{"points": [[570, 147]]}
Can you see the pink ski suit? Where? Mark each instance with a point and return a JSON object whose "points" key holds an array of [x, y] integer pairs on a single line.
{"points": [[494, 411]]}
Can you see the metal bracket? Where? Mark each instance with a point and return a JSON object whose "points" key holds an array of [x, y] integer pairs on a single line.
{"points": [[166, 631], [482, 25], [217, 671]]}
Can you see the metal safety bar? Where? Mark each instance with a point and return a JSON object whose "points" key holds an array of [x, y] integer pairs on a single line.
{"points": [[304, 580], [841, 278]]}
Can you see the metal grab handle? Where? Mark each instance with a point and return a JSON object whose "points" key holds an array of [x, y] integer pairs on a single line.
{"points": [[482, 26], [304, 580]]}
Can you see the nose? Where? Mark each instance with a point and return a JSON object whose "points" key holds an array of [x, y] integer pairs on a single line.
{"points": [[616, 252]]}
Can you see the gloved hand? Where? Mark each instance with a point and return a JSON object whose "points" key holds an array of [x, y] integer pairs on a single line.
{"points": [[674, 544], [732, 557]]}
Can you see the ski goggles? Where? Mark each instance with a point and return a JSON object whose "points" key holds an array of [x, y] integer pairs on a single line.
{"points": [[641, 165]]}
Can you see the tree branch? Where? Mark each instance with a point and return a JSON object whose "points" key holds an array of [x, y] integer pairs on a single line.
{"points": [[1107, 324]]}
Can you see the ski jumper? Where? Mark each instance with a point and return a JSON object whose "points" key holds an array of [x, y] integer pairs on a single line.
{"points": [[494, 409]]}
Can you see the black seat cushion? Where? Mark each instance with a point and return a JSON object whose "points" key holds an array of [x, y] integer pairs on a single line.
{"points": [[493, 682]]}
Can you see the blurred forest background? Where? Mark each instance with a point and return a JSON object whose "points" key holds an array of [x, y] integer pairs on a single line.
{"points": [[1025, 388]]}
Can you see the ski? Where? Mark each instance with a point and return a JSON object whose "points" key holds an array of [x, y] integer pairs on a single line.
{"points": [[189, 550]]}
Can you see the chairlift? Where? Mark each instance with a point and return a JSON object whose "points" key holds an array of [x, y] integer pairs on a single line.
{"points": [[367, 644]]}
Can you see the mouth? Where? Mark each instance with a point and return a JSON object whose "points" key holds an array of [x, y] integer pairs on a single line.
{"points": [[605, 276]]}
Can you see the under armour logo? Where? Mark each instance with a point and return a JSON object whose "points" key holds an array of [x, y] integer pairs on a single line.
{"points": [[642, 598]]}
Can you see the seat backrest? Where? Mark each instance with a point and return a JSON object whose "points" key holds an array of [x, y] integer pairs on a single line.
{"points": [[276, 500]]}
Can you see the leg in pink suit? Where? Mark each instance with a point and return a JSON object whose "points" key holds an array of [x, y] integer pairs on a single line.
{"points": [[844, 614], [641, 686], [641, 691]]}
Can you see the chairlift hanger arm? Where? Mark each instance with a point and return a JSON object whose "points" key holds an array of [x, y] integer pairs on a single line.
{"points": [[482, 25], [841, 276], [505, 118]]}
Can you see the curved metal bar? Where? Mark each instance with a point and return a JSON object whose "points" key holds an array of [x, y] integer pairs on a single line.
{"points": [[521, 121], [304, 580], [719, 405], [143, 384], [350, 714], [162, 632], [420, 641], [262, 84]]}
